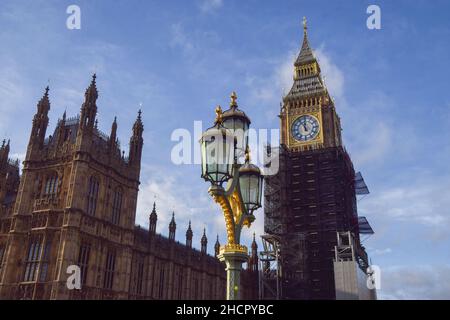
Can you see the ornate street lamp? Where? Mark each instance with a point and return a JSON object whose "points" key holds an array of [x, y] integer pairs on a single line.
{"points": [[237, 121], [241, 194]]}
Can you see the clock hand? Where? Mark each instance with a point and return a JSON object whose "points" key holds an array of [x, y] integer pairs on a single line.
{"points": [[305, 128]]}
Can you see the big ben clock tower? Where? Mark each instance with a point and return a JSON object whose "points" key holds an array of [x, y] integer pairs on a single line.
{"points": [[308, 116], [312, 197]]}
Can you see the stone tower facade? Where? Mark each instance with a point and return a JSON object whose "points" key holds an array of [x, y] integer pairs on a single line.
{"points": [[75, 205], [312, 197]]}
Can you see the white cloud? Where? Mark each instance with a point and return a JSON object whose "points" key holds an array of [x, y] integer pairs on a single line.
{"points": [[12, 95], [380, 252], [333, 75], [379, 136], [421, 202], [188, 201], [180, 39], [210, 5], [415, 283]]}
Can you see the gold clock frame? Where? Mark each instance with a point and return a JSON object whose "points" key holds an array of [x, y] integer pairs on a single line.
{"points": [[291, 118]]}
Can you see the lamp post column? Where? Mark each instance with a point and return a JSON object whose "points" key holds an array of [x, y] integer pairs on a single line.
{"points": [[233, 258], [241, 196]]}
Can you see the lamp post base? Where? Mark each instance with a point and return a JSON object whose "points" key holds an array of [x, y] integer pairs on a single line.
{"points": [[233, 256]]}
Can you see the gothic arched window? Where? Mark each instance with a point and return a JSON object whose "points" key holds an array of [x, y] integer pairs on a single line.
{"points": [[109, 270], [37, 259], [92, 195], [83, 260], [117, 206], [51, 185]]}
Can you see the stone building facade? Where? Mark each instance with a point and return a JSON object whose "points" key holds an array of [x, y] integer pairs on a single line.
{"points": [[74, 204]]}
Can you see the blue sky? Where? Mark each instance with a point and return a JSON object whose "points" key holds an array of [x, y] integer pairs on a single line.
{"points": [[182, 58]]}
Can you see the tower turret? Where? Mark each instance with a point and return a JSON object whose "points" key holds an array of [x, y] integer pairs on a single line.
{"points": [[40, 123], [217, 247], [204, 242], [60, 134], [136, 142], [172, 227], [189, 235], [89, 107], [4, 154], [152, 220], [253, 261], [113, 136]]}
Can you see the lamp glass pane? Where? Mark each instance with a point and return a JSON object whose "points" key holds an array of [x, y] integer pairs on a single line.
{"points": [[204, 161], [239, 128], [217, 155], [244, 184], [253, 190]]}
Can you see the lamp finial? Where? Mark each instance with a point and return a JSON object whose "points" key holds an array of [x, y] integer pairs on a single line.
{"points": [[247, 154], [219, 114], [233, 97]]}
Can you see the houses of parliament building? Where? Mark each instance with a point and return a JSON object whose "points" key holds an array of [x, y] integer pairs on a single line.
{"points": [[75, 204]]}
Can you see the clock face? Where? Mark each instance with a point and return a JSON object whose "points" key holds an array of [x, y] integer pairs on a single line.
{"points": [[305, 128]]}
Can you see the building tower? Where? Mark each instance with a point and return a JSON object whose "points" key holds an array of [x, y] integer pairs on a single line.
{"points": [[136, 144], [172, 227], [74, 183], [9, 183], [204, 242], [153, 220], [253, 261], [39, 128], [312, 197], [189, 235], [4, 156], [217, 247]]}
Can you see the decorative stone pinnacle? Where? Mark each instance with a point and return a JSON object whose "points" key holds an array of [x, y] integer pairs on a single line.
{"points": [[305, 26]]}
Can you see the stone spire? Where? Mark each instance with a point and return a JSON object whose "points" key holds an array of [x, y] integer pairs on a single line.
{"points": [[89, 107], [138, 127], [306, 54], [307, 78], [61, 129], [172, 227], [44, 104], [113, 135], [40, 123], [254, 244], [153, 219], [91, 93], [189, 235], [253, 261], [204, 242], [4, 154], [217, 247], [136, 141]]}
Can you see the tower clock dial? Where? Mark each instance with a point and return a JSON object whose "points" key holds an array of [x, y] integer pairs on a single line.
{"points": [[305, 128]]}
